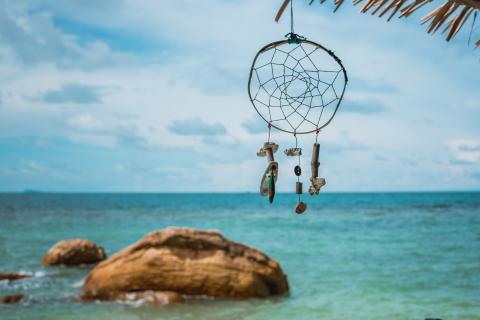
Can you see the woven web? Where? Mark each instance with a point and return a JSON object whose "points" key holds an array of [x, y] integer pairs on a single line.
{"points": [[296, 87]]}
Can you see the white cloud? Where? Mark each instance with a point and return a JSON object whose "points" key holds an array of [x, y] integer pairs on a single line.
{"points": [[30, 37], [86, 122], [465, 150]]}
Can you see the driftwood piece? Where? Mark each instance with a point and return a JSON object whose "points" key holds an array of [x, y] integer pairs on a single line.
{"points": [[291, 152], [315, 164], [272, 168], [317, 184], [272, 146]]}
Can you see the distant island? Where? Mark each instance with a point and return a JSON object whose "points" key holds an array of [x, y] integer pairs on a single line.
{"points": [[33, 191]]}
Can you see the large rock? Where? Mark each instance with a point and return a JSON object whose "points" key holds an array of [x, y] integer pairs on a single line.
{"points": [[13, 276], [189, 262], [74, 252]]}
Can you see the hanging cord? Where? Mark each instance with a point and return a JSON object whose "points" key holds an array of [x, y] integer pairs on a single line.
{"points": [[316, 136], [269, 130], [296, 146], [291, 17], [292, 36]]}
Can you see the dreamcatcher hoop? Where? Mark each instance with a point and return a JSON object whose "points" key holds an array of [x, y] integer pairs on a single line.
{"points": [[304, 76]]}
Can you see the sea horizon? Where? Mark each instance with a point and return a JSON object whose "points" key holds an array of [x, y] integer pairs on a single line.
{"points": [[233, 192]]}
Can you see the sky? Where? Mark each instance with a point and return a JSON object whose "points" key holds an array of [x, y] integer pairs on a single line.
{"points": [[151, 96]]}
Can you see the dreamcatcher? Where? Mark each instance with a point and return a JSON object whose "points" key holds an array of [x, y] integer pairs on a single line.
{"points": [[296, 86]]}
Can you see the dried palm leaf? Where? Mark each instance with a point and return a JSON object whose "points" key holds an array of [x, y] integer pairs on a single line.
{"points": [[436, 18]]}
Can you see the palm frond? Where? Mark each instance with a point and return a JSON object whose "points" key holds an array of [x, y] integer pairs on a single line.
{"points": [[452, 14]]}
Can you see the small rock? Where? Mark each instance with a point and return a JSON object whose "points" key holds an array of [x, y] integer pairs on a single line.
{"points": [[12, 276], [74, 252], [12, 298], [301, 207]]}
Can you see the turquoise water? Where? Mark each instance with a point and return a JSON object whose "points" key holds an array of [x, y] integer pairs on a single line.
{"points": [[352, 256]]}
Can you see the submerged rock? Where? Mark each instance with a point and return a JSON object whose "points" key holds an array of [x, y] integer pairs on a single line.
{"points": [[13, 276], [187, 262], [74, 252], [12, 298]]}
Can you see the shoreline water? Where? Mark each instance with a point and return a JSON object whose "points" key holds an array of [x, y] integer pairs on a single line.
{"points": [[364, 256]]}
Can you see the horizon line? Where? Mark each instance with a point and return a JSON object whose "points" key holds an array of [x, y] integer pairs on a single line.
{"points": [[29, 191]]}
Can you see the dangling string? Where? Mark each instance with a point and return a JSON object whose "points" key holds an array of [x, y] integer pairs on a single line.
{"points": [[292, 37], [269, 130], [291, 17], [316, 136], [296, 146]]}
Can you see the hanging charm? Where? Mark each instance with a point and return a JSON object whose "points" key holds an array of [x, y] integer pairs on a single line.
{"points": [[296, 86], [315, 164], [297, 152], [269, 178], [301, 206], [291, 152], [297, 170]]}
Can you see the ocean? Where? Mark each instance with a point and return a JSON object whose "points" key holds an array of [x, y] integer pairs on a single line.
{"points": [[350, 256]]}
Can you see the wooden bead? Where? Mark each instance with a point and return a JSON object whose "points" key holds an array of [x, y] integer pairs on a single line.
{"points": [[298, 189], [315, 163]]}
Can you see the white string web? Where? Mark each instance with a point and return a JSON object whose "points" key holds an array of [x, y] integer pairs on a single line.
{"points": [[296, 88]]}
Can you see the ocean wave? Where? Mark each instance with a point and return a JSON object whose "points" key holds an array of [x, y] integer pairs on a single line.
{"points": [[78, 284]]}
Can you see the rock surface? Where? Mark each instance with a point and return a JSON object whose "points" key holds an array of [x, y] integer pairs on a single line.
{"points": [[74, 252], [187, 262], [12, 298], [13, 276]]}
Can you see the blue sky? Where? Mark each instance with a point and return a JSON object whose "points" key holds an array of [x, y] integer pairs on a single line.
{"points": [[151, 96]]}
